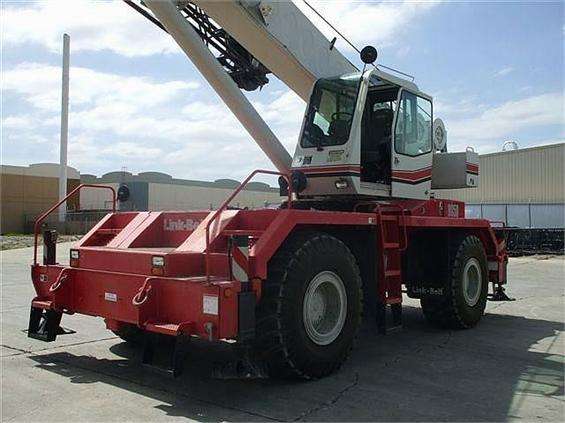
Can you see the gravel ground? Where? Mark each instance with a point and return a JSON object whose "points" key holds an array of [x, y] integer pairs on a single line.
{"points": [[9, 242]]}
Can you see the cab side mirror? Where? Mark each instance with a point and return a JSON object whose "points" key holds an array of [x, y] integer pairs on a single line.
{"points": [[123, 193], [369, 55]]}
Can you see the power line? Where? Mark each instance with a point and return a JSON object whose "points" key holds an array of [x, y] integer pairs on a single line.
{"points": [[350, 43], [332, 27]]}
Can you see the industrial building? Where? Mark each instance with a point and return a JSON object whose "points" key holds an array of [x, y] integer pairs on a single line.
{"points": [[27, 191], [523, 188], [159, 191]]}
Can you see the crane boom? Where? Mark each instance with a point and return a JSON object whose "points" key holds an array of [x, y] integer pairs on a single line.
{"points": [[253, 37], [186, 37], [282, 38]]}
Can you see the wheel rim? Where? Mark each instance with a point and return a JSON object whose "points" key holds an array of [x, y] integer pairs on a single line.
{"points": [[324, 308], [472, 282]]}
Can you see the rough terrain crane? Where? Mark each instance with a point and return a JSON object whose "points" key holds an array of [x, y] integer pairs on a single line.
{"points": [[359, 227]]}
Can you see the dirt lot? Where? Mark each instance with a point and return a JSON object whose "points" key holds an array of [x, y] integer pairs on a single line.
{"points": [[511, 367], [9, 242]]}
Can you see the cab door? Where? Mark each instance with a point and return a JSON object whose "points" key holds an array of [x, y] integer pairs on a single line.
{"points": [[411, 155]]}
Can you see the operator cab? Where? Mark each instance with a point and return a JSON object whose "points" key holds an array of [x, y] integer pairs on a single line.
{"points": [[366, 134]]}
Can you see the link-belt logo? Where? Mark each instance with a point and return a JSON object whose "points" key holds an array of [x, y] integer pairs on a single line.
{"points": [[424, 290], [180, 224]]}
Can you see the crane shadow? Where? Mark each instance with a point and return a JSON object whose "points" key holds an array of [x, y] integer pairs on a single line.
{"points": [[418, 374]]}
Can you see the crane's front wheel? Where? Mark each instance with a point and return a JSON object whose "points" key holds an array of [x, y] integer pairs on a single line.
{"points": [[311, 307], [465, 294]]}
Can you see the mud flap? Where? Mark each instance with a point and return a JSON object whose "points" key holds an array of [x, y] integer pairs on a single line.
{"points": [[385, 324], [246, 316]]}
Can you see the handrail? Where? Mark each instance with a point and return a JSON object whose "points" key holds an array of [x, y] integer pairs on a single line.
{"points": [[41, 218], [226, 203]]}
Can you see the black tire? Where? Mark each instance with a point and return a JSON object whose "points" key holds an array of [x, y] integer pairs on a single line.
{"points": [[130, 334], [452, 310], [282, 341]]}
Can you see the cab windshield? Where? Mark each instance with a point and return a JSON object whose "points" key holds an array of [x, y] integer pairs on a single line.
{"points": [[330, 112]]}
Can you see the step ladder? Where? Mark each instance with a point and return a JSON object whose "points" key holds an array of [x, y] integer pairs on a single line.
{"points": [[391, 242]]}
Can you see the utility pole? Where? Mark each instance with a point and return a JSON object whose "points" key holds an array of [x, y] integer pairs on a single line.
{"points": [[64, 128]]}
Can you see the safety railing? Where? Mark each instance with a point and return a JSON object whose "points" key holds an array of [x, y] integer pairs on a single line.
{"points": [[226, 203], [40, 219]]}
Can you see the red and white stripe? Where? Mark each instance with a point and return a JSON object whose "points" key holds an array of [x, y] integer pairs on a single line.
{"points": [[330, 170], [412, 176], [472, 168], [240, 258]]}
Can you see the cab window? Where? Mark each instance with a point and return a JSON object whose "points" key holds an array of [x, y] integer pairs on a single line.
{"points": [[330, 111], [413, 132]]}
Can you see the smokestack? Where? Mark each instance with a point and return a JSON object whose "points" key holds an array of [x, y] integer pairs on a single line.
{"points": [[64, 127]]}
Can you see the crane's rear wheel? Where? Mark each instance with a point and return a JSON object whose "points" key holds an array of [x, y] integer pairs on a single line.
{"points": [[465, 294], [311, 307]]}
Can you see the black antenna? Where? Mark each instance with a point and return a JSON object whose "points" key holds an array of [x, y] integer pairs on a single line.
{"points": [[331, 26]]}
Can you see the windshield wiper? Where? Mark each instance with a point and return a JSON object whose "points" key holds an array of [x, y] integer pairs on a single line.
{"points": [[319, 144]]}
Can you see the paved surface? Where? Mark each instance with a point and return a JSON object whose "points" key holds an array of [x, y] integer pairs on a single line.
{"points": [[510, 367]]}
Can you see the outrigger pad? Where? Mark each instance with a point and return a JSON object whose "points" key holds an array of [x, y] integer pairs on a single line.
{"points": [[239, 369], [164, 353], [44, 324], [500, 295], [244, 366]]}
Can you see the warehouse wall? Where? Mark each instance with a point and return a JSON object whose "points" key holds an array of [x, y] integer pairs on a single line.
{"points": [[527, 175], [97, 199], [185, 197], [159, 191], [524, 188], [531, 215], [28, 191]]}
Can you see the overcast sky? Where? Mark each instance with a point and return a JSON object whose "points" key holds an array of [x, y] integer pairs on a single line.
{"points": [[495, 70]]}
